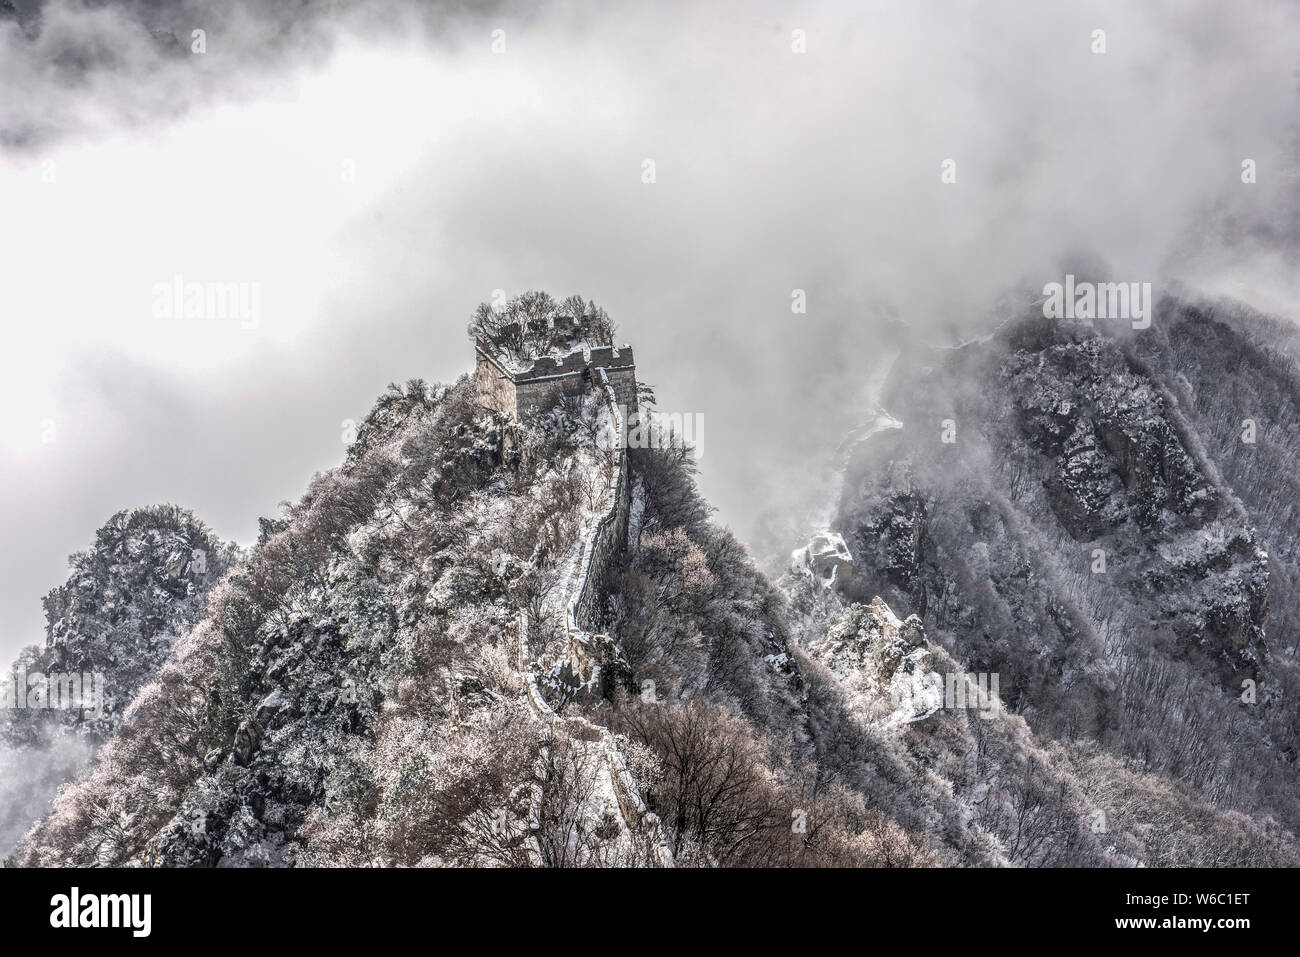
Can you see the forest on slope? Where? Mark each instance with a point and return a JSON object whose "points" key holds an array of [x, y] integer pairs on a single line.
{"points": [[1110, 528], [391, 675]]}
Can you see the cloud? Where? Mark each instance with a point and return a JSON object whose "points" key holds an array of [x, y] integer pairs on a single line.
{"points": [[378, 170], [29, 781]]}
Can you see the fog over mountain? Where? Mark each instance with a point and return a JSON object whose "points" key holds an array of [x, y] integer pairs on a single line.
{"points": [[477, 171], [832, 232]]}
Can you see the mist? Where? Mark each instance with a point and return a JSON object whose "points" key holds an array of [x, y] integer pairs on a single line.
{"points": [[379, 171], [29, 782]]}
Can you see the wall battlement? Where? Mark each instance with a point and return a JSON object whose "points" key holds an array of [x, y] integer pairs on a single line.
{"points": [[515, 391]]}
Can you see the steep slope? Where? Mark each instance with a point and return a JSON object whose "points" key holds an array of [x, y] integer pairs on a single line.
{"points": [[1074, 508], [408, 669], [931, 745], [482, 642], [109, 628]]}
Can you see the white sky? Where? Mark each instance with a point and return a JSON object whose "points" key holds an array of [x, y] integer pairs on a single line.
{"points": [[478, 170]]}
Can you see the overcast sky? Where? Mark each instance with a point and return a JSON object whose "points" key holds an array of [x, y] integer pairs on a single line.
{"points": [[127, 159]]}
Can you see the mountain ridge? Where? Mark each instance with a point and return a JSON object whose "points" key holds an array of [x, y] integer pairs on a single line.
{"points": [[495, 640]]}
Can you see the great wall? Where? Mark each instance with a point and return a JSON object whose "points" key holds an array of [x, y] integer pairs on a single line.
{"points": [[611, 373], [517, 385]]}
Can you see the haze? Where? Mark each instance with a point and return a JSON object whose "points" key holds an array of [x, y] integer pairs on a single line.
{"points": [[378, 171]]}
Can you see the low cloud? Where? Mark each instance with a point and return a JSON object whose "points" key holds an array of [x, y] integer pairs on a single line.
{"points": [[379, 169]]}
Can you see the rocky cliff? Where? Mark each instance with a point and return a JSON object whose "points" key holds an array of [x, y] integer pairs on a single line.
{"points": [[1087, 512]]}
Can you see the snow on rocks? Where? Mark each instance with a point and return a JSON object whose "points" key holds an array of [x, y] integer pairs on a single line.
{"points": [[882, 661], [616, 791], [826, 558]]}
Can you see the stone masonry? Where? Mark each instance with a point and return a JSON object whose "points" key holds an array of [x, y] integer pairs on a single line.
{"points": [[516, 390]]}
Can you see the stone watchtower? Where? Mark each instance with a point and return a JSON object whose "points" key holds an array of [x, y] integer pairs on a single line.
{"points": [[515, 387]]}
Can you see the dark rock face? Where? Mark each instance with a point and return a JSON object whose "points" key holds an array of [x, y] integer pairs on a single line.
{"points": [[1233, 375], [1095, 531], [1114, 455], [912, 632], [247, 738]]}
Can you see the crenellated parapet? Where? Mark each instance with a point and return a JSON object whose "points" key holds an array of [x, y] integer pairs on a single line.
{"points": [[546, 367], [515, 388]]}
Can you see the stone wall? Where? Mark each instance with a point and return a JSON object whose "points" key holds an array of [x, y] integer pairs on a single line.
{"points": [[546, 367], [612, 357], [493, 385], [623, 382], [540, 385], [610, 537], [535, 396], [607, 546]]}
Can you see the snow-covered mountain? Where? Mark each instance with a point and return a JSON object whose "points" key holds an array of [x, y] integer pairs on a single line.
{"points": [[109, 627], [1104, 517], [484, 640]]}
